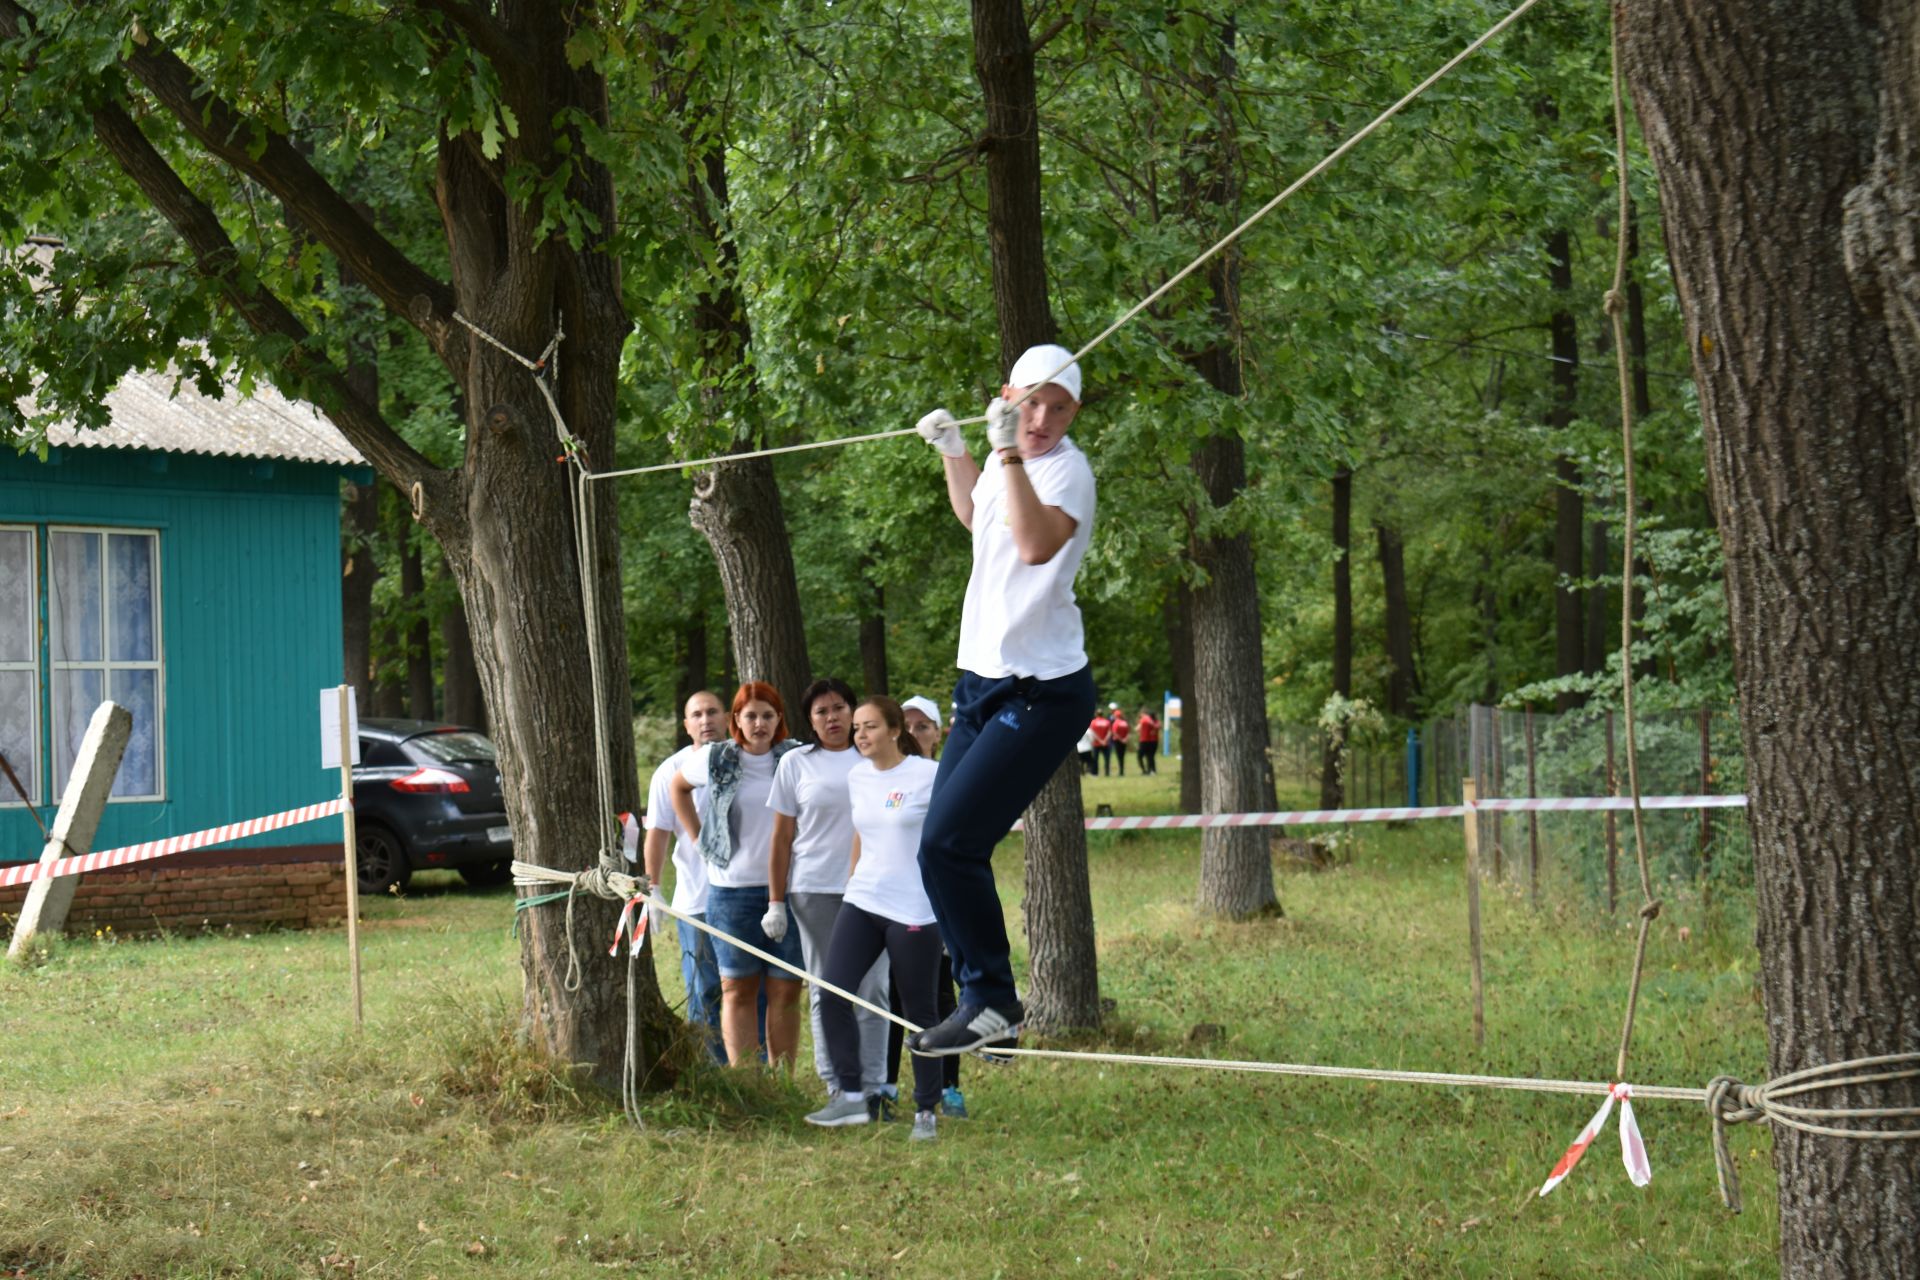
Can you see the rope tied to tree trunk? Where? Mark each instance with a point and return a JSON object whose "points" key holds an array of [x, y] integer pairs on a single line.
{"points": [[1731, 1102]]}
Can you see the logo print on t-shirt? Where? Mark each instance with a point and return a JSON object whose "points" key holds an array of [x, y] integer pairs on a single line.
{"points": [[895, 799]]}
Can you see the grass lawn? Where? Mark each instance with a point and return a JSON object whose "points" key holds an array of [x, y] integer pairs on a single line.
{"points": [[199, 1106]]}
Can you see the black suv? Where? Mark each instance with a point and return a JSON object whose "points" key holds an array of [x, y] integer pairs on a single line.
{"points": [[428, 795]]}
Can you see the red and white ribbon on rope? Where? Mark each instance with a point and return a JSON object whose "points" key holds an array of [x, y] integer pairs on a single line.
{"points": [[82, 863], [1313, 817], [634, 913], [1633, 1151]]}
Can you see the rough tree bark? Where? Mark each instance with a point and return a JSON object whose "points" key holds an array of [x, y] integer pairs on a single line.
{"points": [[873, 640], [1063, 985], [1332, 786], [1785, 146], [503, 517], [1236, 863]]}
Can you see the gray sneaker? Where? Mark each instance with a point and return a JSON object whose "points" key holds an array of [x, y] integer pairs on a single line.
{"points": [[841, 1111], [923, 1127]]}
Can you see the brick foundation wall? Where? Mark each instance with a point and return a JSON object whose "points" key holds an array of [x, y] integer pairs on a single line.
{"points": [[296, 890]]}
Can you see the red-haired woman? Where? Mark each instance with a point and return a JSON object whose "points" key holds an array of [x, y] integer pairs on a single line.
{"points": [[734, 837]]}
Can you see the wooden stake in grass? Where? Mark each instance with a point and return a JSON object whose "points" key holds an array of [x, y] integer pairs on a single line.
{"points": [[75, 824], [1469, 796]]}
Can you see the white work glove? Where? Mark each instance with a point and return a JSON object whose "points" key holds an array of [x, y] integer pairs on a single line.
{"points": [[658, 921], [1003, 425], [774, 923], [939, 430]]}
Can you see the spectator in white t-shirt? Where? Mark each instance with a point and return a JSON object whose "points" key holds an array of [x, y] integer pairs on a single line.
{"points": [[734, 836], [812, 841], [886, 910], [705, 721]]}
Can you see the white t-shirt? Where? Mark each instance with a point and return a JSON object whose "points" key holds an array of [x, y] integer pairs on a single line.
{"points": [[888, 811], [749, 821], [810, 786], [1020, 619], [689, 868]]}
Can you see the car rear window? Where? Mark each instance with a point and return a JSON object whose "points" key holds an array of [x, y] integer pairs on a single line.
{"points": [[453, 748]]}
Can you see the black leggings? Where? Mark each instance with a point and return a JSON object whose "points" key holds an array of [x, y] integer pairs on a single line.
{"points": [[947, 1000], [859, 936], [1148, 750]]}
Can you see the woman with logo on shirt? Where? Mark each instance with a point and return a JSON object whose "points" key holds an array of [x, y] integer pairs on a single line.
{"points": [[735, 841], [885, 910]]}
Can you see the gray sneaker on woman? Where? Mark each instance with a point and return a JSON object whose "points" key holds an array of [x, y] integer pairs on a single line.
{"points": [[923, 1127], [841, 1111]]}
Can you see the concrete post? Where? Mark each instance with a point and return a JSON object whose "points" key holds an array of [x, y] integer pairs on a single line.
{"points": [[45, 909]]}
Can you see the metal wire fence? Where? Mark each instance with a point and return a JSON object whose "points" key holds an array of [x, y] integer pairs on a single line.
{"points": [[1524, 753]]}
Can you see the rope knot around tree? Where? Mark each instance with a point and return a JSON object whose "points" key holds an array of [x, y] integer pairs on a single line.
{"points": [[1731, 1102], [1650, 909]]}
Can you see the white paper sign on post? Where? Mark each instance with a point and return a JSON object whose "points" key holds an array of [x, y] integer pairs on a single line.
{"points": [[330, 727]]}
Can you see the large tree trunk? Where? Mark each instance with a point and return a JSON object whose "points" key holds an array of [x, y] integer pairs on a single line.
{"points": [[736, 506], [1065, 991], [510, 541], [1569, 631], [1332, 785], [1763, 129], [1403, 684], [1061, 985], [503, 517], [1236, 863]]}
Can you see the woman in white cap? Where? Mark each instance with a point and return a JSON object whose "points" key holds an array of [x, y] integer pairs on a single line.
{"points": [[1025, 691]]}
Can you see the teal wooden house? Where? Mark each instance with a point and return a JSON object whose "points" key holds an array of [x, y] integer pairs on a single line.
{"points": [[185, 563]]}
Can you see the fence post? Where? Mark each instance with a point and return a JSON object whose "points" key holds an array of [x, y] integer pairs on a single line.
{"points": [[349, 841], [1469, 795], [74, 825], [1533, 821], [1613, 839], [1413, 768]]}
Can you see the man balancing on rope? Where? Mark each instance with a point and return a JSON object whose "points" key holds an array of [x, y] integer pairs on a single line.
{"points": [[1025, 690]]}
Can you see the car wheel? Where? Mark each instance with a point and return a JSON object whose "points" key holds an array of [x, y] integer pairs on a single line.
{"points": [[485, 875], [381, 860]]}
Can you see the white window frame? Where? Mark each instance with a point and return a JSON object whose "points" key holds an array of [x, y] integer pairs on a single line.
{"points": [[36, 764], [106, 665]]}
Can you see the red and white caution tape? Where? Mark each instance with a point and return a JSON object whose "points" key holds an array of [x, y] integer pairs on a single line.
{"points": [[1315, 817], [630, 837], [1633, 1151], [1557, 804], [106, 858], [634, 913]]}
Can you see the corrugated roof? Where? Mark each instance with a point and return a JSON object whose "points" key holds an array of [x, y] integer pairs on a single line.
{"points": [[148, 413]]}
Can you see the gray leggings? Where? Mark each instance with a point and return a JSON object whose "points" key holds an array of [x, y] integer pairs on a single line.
{"points": [[813, 915]]}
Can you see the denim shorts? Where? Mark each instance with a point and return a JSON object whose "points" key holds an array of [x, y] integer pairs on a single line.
{"points": [[738, 912]]}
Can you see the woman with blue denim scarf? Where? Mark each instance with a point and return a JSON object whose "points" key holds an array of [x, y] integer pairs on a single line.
{"points": [[735, 837]]}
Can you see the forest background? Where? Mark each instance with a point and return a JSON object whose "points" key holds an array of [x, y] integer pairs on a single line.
{"points": [[1429, 393]]}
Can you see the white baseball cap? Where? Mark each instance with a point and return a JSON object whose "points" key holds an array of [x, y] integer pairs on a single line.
{"points": [[925, 706], [1043, 364]]}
